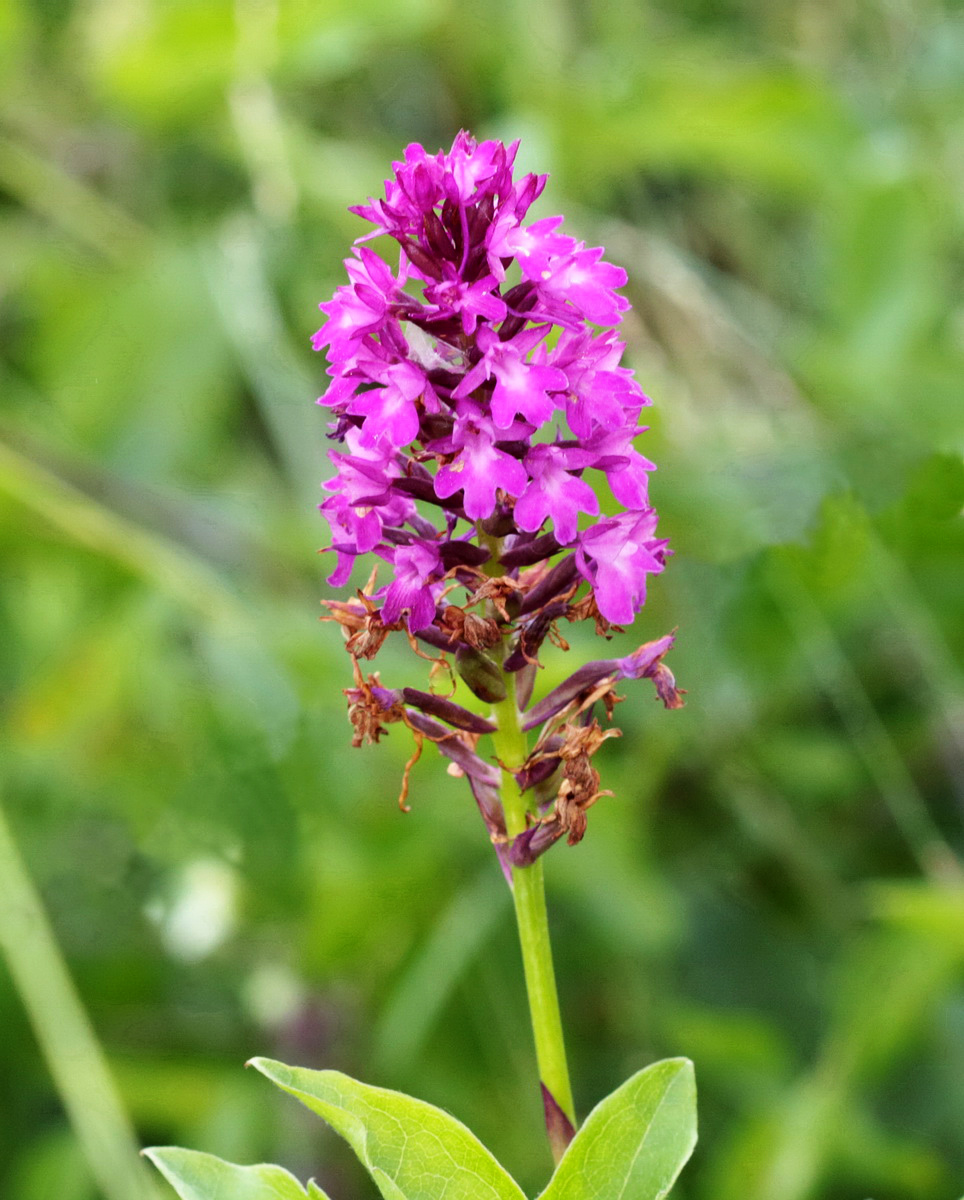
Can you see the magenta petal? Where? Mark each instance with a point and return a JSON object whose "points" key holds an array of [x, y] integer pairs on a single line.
{"points": [[555, 492], [616, 556], [345, 562], [418, 570]]}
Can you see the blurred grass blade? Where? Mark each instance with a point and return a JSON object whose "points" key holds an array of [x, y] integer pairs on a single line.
{"points": [[256, 113], [281, 384], [870, 735], [47, 189], [459, 934], [66, 1038], [90, 524]]}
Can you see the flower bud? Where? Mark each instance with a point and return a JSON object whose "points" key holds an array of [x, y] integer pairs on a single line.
{"points": [[480, 674], [437, 706]]}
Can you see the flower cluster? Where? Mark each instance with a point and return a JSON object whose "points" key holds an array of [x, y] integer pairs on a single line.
{"points": [[471, 378], [479, 402]]}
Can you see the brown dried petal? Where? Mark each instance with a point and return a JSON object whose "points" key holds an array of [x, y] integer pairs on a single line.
{"points": [[478, 632], [499, 590], [367, 714], [666, 689], [587, 609]]}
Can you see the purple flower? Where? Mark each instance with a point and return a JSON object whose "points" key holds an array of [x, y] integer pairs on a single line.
{"points": [[533, 247], [477, 397], [553, 491], [479, 467], [600, 392], [586, 283], [393, 416], [361, 308], [643, 663], [472, 301], [521, 387], [616, 556], [363, 501], [627, 472], [417, 583]]}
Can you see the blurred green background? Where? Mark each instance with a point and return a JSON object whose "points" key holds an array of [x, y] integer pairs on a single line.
{"points": [[775, 891]]}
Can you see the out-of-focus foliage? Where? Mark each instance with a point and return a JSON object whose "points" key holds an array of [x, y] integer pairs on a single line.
{"points": [[775, 891]]}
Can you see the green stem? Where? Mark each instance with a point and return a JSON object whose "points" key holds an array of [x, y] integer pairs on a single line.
{"points": [[532, 919], [63, 1030]]}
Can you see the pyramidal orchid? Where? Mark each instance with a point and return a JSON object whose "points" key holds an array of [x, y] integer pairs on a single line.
{"points": [[478, 406]]}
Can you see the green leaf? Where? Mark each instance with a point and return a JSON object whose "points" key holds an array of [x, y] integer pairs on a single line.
{"points": [[635, 1142], [197, 1176], [411, 1149]]}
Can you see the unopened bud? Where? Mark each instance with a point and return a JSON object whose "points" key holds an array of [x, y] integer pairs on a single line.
{"points": [[480, 674], [452, 714]]}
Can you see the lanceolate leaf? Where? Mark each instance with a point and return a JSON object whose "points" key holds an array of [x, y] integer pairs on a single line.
{"points": [[197, 1176], [411, 1149], [635, 1142]]}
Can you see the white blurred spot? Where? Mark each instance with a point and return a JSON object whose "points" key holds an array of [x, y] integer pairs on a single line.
{"points": [[201, 912], [272, 994]]}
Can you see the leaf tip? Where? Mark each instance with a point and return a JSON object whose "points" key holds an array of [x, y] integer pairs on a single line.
{"points": [[278, 1073], [681, 1065]]}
